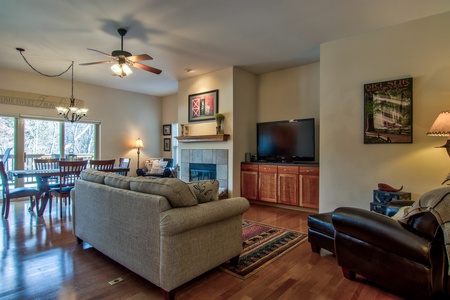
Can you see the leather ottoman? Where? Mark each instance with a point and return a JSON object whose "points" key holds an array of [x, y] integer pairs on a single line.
{"points": [[321, 232]]}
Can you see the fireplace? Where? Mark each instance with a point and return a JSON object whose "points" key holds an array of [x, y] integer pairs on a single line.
{"points": [[215, 157], [199, 172]]}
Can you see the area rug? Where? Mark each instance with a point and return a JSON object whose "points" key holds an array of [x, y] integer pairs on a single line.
{"points": [[262, 244]]}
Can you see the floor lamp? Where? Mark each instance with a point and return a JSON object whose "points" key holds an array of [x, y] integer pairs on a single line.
{"points": [[138, 145]]}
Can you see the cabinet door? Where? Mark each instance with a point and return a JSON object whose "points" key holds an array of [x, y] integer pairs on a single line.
{"points": [[288, 185], [268, 183], [249, 181], [249, 185], [309, 187]]}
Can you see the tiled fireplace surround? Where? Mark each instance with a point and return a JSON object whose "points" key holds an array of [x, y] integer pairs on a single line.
{"points": [[219, 157]]}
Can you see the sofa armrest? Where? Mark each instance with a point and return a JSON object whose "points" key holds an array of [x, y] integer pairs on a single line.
{"points": [[182, 219], [394, 206], [382, 232]]}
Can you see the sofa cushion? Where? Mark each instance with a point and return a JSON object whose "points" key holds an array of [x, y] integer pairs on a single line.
{"points": [[176, 191], [118, 181], [205, 190], [93, 175]]}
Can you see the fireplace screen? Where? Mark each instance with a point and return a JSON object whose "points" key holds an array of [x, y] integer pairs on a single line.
{"points": [[199, 172]]}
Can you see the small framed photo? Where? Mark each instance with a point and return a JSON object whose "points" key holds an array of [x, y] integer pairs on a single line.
{"points": [[166, 144], [167, 129], [203, 106]]}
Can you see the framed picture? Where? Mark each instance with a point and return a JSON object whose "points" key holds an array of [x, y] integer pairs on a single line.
{"points": [[388, 112], [167, 129], [203, 106], [166, 144]]}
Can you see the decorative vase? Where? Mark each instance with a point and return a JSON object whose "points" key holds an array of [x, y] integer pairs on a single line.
{"points": [[219, 128]]}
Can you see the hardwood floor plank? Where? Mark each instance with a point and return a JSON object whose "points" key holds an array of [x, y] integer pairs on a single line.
{"points": [[41, 260]]}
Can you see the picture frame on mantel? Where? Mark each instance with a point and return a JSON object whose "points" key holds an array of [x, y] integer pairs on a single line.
{"points": [[203, 106], [167, 129], [388, 112]]}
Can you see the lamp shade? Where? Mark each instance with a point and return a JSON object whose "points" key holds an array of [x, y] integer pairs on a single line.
{"points": [[441, 127], [139, 144]]}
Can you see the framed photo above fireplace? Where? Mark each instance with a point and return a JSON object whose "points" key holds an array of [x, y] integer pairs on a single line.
{"points": [[203, 106], [388, 111]]}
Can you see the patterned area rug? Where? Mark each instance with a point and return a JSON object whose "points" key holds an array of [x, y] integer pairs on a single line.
{"points": [[262, 244]]}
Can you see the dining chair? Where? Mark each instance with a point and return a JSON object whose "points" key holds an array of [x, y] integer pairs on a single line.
{"points": [[124, 162], [69, 172], [102, 165], [8, 194], [6, 157], [48, 164]]}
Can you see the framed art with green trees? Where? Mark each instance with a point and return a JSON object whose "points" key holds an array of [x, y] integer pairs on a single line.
{"points": [[388, 111]]}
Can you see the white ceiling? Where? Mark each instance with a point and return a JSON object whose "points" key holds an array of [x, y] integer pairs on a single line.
{"points": [[204, 35]]}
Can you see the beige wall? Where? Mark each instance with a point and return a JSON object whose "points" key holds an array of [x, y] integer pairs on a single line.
{"points": [[237, 99], [290, 94], [169, 106], [124, 116], [349, 169]]}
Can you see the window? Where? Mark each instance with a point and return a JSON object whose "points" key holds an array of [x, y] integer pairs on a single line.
{"points": [[46, 138]]}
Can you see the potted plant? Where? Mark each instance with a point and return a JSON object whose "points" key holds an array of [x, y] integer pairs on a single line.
{"points": [[219, 121]]}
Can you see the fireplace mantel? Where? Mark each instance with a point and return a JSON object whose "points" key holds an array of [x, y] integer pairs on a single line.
{"points": [[203, 138]]}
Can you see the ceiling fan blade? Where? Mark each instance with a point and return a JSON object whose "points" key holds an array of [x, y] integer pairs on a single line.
{"points": [[96, 63], [139, 57], [147, 68], [100, 52]]}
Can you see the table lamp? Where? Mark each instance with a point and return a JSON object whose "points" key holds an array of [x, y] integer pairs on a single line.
{"points": [[441, 127], [138, 145]]}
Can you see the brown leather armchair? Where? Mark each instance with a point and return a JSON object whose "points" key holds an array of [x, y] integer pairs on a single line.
{"points": [[407, 259]]}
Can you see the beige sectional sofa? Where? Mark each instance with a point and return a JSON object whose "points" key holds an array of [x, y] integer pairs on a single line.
{"points": [[157, 227]]}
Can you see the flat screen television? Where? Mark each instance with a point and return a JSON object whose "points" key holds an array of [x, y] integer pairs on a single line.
{"points": [[288, 141]]}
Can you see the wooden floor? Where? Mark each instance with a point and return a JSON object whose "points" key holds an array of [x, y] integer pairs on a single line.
{"points": [[41, 260]]}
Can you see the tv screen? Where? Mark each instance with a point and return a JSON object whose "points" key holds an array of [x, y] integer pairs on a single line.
{"points": [[286, 141]]}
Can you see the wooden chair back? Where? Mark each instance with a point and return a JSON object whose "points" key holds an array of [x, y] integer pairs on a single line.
{"points": [[70, 172], [46, 163], [102, 165], [124, 162]]}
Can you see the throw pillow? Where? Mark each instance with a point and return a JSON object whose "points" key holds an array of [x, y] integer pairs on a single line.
{"points": [[149, 163], [176, 191], [205, 190], [158, 167]]}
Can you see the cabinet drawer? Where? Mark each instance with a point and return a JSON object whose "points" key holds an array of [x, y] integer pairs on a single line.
{"points": [[309, 170], [268, 168], [249, 167], [287, 170]]}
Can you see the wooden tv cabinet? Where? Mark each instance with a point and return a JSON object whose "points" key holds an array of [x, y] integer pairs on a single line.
{"points": [[293, 185]]}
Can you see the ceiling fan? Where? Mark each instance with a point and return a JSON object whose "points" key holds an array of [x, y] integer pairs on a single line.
{"points": [[123, 59]]}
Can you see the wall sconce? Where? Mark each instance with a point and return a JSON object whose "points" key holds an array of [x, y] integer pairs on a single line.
{"points": [[441, 127], [138, 145]]}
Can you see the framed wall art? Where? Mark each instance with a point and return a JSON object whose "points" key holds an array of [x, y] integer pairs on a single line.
{"points": [[167, 129], [388, 111], [203, 106], [166, 144]]}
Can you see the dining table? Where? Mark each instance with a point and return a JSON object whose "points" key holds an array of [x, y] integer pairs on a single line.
{"points": [[42, 179]]}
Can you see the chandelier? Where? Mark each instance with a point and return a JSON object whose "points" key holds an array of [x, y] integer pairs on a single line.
{"points": [[72, 113]]}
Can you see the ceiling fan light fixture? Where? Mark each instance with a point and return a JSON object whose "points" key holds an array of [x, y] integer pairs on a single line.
{"points": [[121, 70]]}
